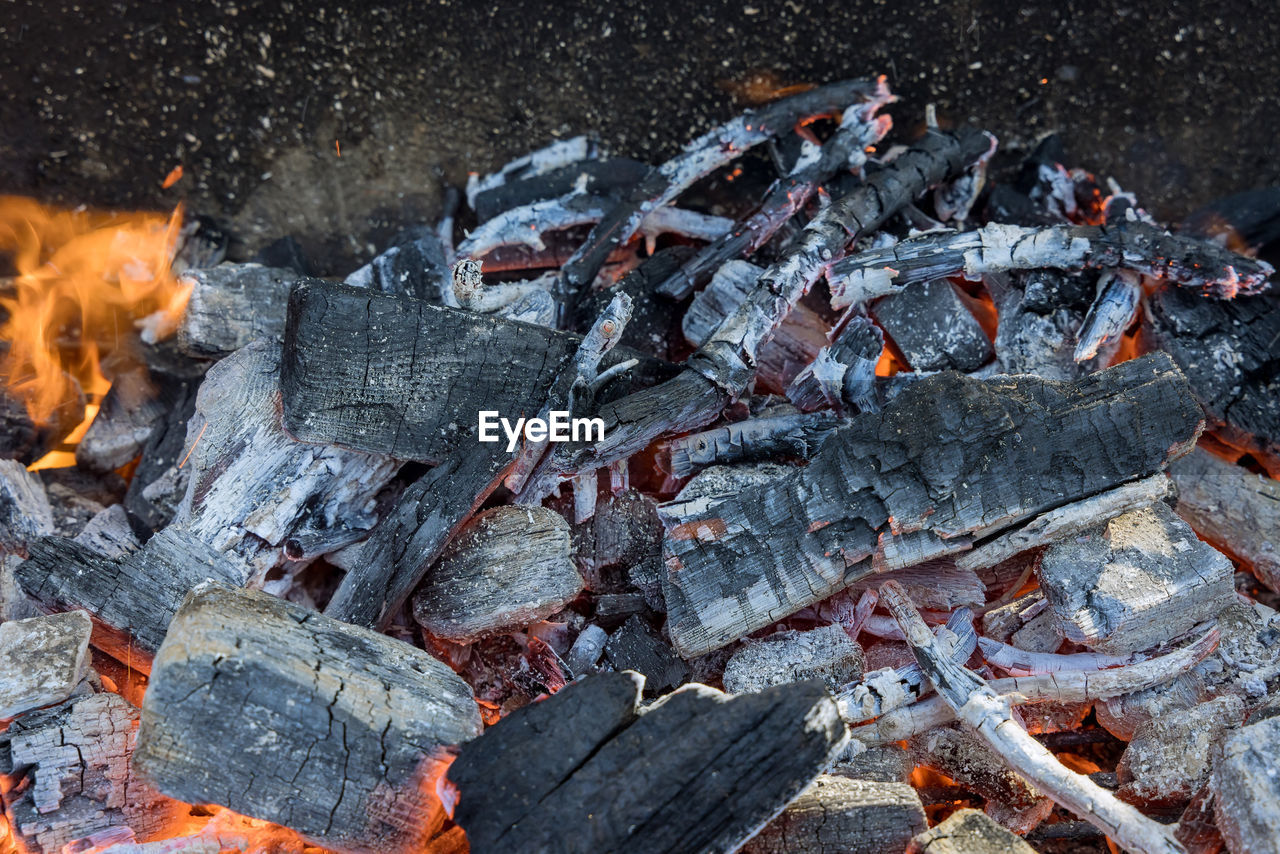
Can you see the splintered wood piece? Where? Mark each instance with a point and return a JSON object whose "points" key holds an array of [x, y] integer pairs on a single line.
{"points": [[1138, 580], [288, 716], [73, 777], [826, 653], [42, 660], [703, 770], [1246, 788], [968, 831], [257, 493], [130, 599], [840, 814], [933, 328], [509, 567], [397, 376], [1229, 351], [1168, 759], [949, 459], [1233, 508], [25, 513], [231, 305], [843, 374]]}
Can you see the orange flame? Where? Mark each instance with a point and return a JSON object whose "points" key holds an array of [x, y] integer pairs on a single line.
{"points": [[87, 276]]}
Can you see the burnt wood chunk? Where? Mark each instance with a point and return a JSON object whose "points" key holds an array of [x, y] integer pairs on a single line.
{"points": [[1230, 351], [1246, 789], [42, 660], [849, 816], [398, 376], [334, 731], [635, 647], [948, 460], [416, 266], [131, 599], [933, 329], [132, 410], [702, 770], [843, 373], [603, 177], [509, 567], [109, 533], [969, 831], [1233, 508], [231, 305], [1138, 580], [1168, 759], [826, 653], [70, 776], [25, 512], [258, 494]]}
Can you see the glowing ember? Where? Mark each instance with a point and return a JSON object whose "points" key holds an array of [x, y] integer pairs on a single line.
{"points": [[84, 280]]}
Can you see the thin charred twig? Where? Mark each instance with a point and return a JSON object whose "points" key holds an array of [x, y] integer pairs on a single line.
{"points": [[558, 155], [795, 434], [859, 128], [700, 157], [1110, 314], [991, 716], [999, 248], [1019, 662]]}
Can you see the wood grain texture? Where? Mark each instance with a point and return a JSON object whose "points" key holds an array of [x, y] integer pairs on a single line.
{"points": [[285, 715], [837, 815], [231, 305]]}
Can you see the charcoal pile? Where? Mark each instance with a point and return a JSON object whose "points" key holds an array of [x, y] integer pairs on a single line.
{"points": [[806, 492]]}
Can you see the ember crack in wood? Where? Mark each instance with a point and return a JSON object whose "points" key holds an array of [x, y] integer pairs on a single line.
{"points": [[336, 731], [948, 460]]}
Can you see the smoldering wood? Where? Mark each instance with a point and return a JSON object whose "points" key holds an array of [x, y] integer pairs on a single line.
{"points": [[991, 717], [1246, 788], [701, 157], [704, 770], [1119, 293], [1236, 510], [840, 814], [587, 648], [968, 831], [799, 337], [1135, 581], [844, 372], [635, 647], [1187, 262], [1019, 661], [859, 128], [623, 533], [25, 513], [731, 570], [933, 329], [338, 730], [74, 762], [559, 154], [158, 485], [1036, 332], [42, 660], [825, 653], [787, 434], [1230, 351], [1000, 624], [24, 440], [130, 599], [1067, 521], [417, 266], [510, 566], [885, 764], [655, 321], [253, 488], [397, 376], [231, 305], [606, 176], [939, 585], [1168, 759]]}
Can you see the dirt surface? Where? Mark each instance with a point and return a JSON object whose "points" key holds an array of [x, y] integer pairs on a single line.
{"points": [[100, 100]]}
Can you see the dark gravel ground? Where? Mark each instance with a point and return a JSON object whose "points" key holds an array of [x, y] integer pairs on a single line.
{"points": [[99, 100]]}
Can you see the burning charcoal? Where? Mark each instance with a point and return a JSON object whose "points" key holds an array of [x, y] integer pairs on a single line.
{"points": [[839, 814], [732, 570], [1111, 313], [1168, 759], [1037, 325], [635, 647], [655, 323], [586, 650], [824, 653], [1139, 580], [843, 373], [109, 533], [509, 567], [1230, 351], [258, 494], [798, 339], [125, 421], [42, 661], [1000, 624], [623, 533], [74, 764], [1233, 508], [606, 176], [25, 513], [965, 758], [131, 599], [295, 679], [231, 305], [703, 770], [998, 248], [932, 327], [1246, 789], [160, 479], [968, 831], [416, 266], [887, 763], [785, 434], [26, 441]]}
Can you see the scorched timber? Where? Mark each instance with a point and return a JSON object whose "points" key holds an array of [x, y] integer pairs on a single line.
{"points": [[949, 460], [285, 715], [397, 376]]}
